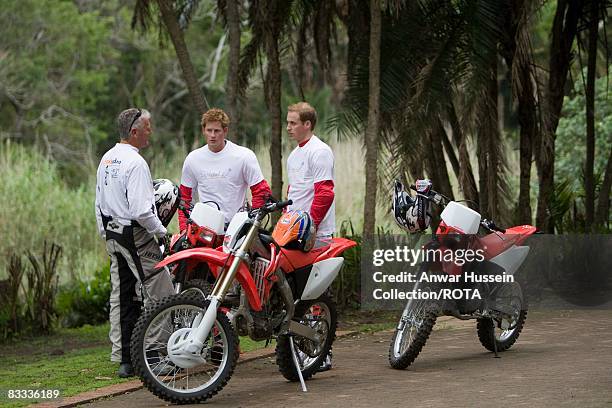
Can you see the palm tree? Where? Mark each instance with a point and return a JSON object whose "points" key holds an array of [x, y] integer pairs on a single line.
{"points": [[423, 74], [517, 52], [564, 29], [230, 11], [371, 135], [143, 16]]}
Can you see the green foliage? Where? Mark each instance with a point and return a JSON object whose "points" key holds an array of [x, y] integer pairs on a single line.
{"points": [[347, 286], [570, 148], [55, 71], [85, 302], [42, 288], [570, 154]]}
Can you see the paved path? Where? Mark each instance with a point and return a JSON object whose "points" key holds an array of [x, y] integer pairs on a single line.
{"points": [[561, 359]]}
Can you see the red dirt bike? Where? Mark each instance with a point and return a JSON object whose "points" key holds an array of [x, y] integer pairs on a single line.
{"points": [[282, 296], [500, 306]]}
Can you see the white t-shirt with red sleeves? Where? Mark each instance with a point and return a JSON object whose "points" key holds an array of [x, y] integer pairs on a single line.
{"points": [[222, 177], [307, 165]]}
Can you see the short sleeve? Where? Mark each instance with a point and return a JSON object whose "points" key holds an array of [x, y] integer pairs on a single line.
{"points": [[188, 178], [322, 165], [250, 170]]}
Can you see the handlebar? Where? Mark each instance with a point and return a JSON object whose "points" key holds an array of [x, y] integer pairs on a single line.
{"points": [[424, 190], [490, 225], [270, 207], [279, 205], [432, 195]]}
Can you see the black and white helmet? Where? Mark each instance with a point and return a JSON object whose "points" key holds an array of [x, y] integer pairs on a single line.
{"points": [[412, 214], [167, 198]]}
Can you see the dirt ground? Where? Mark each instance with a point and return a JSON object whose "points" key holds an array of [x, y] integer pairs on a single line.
{"points": [[562, 359]]}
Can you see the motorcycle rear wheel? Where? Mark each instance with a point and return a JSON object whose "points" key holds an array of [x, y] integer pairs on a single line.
{"points": [[411, 333], [321, 315], [155, 367], [199, 286], [504, 339], [510, 295]]}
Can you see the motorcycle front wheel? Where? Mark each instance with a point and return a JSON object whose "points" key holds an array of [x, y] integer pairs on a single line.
{"points": [[165, 374], [411, 333]]}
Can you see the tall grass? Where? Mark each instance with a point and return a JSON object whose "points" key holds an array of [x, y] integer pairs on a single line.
{"points": [[36, 205]]}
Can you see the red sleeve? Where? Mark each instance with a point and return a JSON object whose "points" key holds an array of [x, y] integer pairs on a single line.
{"points": [[323, 199], [186, 200], [260, 192]]}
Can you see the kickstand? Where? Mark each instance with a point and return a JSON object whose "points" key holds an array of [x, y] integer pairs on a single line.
{"points": [[296, 362], [495, 343]]}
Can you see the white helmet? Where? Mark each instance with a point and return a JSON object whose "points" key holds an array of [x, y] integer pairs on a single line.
{"points": [[167, 198], [412, 214]]}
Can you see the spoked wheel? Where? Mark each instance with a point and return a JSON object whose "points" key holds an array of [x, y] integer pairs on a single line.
{"points": [[505, 336], [411, 333], [320, 315], [199, 286], [170, 374]]}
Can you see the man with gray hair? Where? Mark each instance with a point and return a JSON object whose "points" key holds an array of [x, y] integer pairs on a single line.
{"points": [[127, 219]]}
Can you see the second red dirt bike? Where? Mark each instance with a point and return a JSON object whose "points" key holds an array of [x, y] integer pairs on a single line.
{"points": [[185, 347], [500, 310]]}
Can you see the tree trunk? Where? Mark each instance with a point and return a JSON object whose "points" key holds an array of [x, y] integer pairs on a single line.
{"points": [[450, 152], [273, 91], [483, 169], [520, 62], [589, 184], [467, 182], [439, 164], [232, 84], [603, 204], [563, 34], [371, 136], [491, 163], [182, 53]]}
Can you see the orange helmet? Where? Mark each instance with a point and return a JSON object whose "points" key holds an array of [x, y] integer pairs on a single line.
{"points": [[295, 230]]}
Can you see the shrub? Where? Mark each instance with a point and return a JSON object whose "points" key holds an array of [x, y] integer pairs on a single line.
{"points": [[85, 302]]}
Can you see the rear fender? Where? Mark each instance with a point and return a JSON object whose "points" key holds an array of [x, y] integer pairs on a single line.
{"points": [[523, 230], [337, 246], [216, 259]]}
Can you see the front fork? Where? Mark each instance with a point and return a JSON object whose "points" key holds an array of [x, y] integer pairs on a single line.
{"points": [[195, 340], [404, 318]]}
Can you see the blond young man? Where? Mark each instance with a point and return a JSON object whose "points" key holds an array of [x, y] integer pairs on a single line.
{"points": [[222, 171]]}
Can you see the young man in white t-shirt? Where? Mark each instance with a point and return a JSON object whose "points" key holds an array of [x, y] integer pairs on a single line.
{"points": [[222, 171], [310, 170]]}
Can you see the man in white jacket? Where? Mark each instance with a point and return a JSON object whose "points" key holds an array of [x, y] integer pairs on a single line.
{"points": [[127, 219]]}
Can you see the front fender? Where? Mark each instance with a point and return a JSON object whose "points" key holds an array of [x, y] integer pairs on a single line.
{"points": [[218, 258]]}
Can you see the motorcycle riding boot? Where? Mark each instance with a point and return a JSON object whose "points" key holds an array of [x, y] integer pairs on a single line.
{"points": [[125, 370]]}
